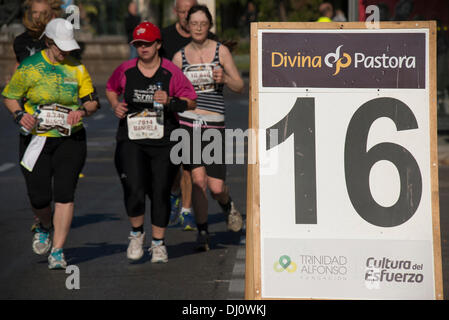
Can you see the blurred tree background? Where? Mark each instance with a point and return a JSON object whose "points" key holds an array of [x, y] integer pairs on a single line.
{"points": [[288, 10], [105, 18], [233, 17]]}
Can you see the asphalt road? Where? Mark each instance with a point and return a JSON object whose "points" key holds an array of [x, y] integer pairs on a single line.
{"points": [[98, 239]]}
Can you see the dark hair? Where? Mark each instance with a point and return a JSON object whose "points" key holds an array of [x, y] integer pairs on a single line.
{"points": [[48, 42], [204, 9], [231, 44]]}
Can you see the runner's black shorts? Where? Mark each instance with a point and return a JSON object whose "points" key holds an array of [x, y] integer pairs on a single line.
{"points": [[146, 170], [215, 166], [56, 172]]}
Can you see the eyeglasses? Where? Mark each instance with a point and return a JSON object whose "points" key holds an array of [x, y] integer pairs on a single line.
{"points": [[196, 24]]}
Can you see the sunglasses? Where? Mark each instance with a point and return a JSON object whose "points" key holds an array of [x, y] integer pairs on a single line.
{"points": [[139, 44]]}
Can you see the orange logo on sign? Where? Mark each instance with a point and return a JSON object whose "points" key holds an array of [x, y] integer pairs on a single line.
{"points": [[337, 60]]}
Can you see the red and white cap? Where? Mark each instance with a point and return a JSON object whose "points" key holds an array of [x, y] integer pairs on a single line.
{"points": [[146, 31]]}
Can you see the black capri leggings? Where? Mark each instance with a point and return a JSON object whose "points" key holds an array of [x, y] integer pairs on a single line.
{"points": [[146, 170], [60, 163]]}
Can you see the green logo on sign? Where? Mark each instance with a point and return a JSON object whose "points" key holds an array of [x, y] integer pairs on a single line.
{"points": [[285, 263]]}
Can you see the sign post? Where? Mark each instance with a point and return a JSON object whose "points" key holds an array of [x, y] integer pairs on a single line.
{"points": [[343, 195]]}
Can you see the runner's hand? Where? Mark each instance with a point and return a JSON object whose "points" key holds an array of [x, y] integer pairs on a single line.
{"points": [[218, 75], [28, 121], [120, 110], [74, 117], [161, 97]]}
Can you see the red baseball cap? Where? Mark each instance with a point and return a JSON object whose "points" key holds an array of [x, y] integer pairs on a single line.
{"points": [[146, 31]]}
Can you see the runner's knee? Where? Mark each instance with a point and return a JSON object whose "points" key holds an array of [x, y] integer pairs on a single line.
{"points": [[200, 182], [135, 204], [39, 202], [216, 190]]}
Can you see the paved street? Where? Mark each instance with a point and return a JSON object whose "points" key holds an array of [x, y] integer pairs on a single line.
{"points": [[98, 239]]}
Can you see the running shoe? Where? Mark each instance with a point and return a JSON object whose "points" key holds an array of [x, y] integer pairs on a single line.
{"points": [[234, 218], [158, 252], [41, 241], [36, 224], [187, 221], [34, 227], [202, 241], [174, 210], [56, 260], [135, 251]]}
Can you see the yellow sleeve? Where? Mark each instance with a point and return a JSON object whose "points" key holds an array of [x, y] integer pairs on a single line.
{"points": [[85, 86], [18, 87]]}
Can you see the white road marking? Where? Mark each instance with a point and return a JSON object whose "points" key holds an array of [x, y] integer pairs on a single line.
{"points": [[237, 285], [6, 166], [99, 116]]}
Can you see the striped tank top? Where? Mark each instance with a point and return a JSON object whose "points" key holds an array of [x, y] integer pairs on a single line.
{"points": [[210, 95]]}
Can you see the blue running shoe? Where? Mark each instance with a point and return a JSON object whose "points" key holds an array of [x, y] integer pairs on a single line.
{"points": [[56, 260], [174, 210], [187, 221], [41, 241]]}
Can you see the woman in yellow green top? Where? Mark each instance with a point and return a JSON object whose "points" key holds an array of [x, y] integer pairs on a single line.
{"points": [[52, 156]]}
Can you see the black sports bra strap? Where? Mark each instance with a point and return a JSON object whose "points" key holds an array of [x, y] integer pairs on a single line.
{"points": [[217, 55], [184, 60]]}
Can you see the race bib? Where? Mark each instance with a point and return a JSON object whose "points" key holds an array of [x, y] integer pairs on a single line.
{"points": [[54, 116], [201, 77], [145, 125]]}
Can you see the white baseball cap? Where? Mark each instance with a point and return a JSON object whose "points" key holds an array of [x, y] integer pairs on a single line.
{"points": [[61, 32]]}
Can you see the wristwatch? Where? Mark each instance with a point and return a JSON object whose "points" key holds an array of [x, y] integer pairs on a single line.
{"points": [[85, 111], [18, 115]]}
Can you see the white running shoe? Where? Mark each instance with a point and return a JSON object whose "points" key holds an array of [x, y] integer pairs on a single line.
{"points": [[135, 251], [41, 241], [56, 260], [158, 253], [235, 220]]}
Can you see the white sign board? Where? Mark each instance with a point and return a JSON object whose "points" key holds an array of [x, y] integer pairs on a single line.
{"points": [[347, 206]]}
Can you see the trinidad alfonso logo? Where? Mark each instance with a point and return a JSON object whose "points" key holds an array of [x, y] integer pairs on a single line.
{"points": [[340, 62], [285, 264]]}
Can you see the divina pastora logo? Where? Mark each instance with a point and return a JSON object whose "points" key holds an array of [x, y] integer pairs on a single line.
{"points": [[340, 60], [337, 60]]}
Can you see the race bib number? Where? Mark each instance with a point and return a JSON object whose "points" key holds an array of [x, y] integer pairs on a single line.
{"points": [[54, 116], [145, 125], [201, 77]]}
